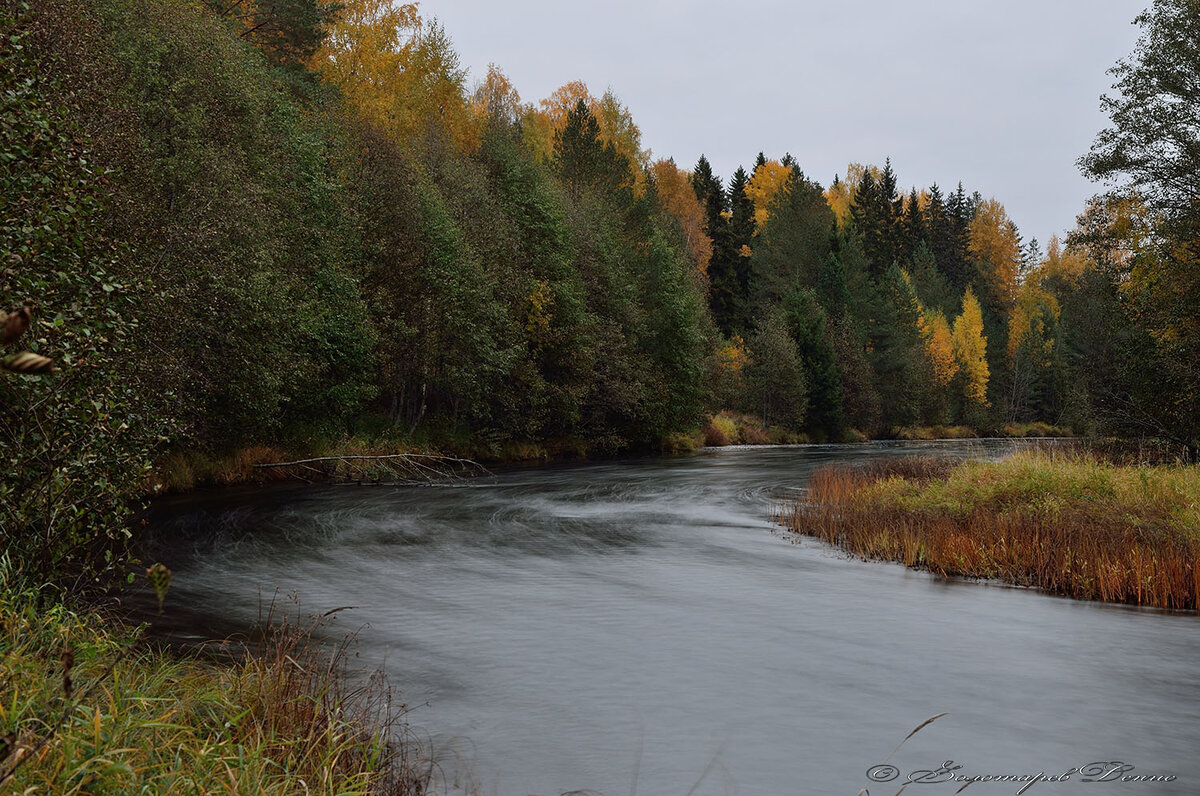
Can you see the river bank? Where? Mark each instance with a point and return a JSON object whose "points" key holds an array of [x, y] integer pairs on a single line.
{"points": [[92, 706], [1068, 522], [182, 470]]}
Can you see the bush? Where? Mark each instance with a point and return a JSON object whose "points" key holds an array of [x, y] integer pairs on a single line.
{"points": [[75, 444]]}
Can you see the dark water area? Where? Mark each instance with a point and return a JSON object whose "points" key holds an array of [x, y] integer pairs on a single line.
{"points": [[643, 627]]}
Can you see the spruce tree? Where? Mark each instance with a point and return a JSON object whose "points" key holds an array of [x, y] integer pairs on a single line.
{"points": [[792, 245], [723, 285], [808, 325], [912, 227], [741, 234]]}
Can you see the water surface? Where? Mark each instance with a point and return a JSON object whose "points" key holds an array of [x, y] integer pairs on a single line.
{"points": [[641, 626]]}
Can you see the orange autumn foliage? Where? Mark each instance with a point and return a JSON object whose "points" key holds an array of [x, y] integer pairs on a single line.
{"points": [[675, 191]]}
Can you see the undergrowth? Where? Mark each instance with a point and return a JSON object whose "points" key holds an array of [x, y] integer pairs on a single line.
{"points": [[86, 706]]}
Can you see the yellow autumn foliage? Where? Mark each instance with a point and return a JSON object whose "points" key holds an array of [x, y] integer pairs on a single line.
{"points": [[939, 346], [970, 349], [397, 71], [733, 356], [615, 120], [995, 245], [841, 195], [764, 186], [1034, 310]]}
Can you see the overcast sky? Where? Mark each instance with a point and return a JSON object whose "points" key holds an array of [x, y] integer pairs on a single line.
{"points": [[1002, 96]]}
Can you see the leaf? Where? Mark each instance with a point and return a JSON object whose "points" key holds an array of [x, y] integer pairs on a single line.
{"points": [[28, 364], [15, 324], [160, 578]]}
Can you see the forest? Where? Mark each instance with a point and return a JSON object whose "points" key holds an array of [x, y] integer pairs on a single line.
{"points": [[302, 225]]}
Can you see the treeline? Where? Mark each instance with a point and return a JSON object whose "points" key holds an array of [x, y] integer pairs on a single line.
{"points": [[293, 222]]}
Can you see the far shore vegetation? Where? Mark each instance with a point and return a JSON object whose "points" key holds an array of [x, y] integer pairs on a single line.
{"points": [[1067, 521]]}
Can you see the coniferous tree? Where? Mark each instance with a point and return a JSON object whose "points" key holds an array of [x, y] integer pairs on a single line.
{"points": [[808, 325], [898, 353], [288, 31], [952, 248], [869, 219], [741, 234], [792, 245], [832, 291], [912, 227], [943, 239], [877, 212], [584, 160], [860, 397], [775, 379], [724, 289]]}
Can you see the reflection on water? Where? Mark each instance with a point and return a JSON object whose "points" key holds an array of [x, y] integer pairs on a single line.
{"points": [[641, 625]]}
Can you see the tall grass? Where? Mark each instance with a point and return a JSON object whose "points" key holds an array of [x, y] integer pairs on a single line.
{"points": [[1065, 521], [731, 428], [84, 709]]}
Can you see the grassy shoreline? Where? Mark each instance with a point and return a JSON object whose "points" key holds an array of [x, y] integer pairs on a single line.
{"points": [[180, 471], [90, 707], [1068, 522]]}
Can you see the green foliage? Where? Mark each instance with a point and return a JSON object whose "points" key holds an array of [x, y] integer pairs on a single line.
{"points": [[288, 31], [809, 327], [929, 283], [583, 160], [898, 354], [723, 286], [777, 386], [225, 191], [793, 245], [76, 443], [544, 291], [876, 213], [1154, 138], [1151, 151], [860, 396]]}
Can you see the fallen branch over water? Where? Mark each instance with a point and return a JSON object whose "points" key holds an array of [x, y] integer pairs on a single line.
{"points": [[407, 467]]}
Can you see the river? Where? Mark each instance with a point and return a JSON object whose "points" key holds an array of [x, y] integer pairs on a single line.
{"points": [[642, 627]]}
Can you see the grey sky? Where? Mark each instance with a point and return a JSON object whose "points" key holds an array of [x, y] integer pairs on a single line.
{"points": [[1003, 96]]}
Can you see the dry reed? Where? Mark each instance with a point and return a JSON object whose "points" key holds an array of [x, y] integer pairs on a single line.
{"points": [[1067, 522]]}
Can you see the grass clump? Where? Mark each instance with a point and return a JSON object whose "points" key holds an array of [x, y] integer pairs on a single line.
{"points": [[730, 428], [85, 707], [1068, 521]]}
